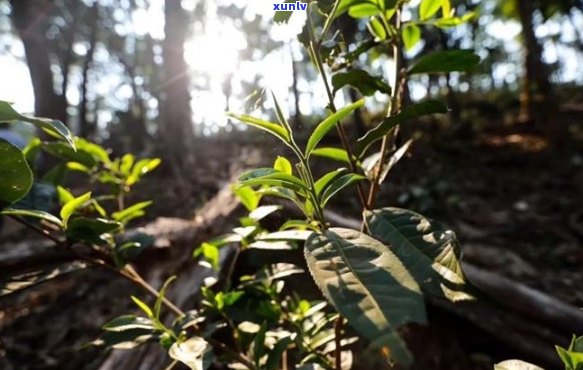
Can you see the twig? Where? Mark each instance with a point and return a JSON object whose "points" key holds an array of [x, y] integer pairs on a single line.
{"points": [[393, 109], [38, 230]]}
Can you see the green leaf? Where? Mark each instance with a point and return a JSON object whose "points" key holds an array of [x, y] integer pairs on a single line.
{"points": [[363, 10], [325, 180], [446, 8], [143, 306], [269, 176], [67, 153], [368, 285], [447, 23], [262, 212], [576, 344], [573, 357], [161, 295], [52, 127], [273, 128], [299, 235], [127, 161], [345, 5], [126, 339], [130, 213], [377, 29], [96, 151], [360, 80], [338, 185], [195, 353], [15, 175], [336, 154], [211, 254], [408, 113], [259, 344], [64, 195], [411, 35], [141, 168], [428, 8], [31, 150], [33, 213], [275, 354], [248, 197], [91, 230], [328, 124], [283, 165], [431, 253], [128, 322], [445, 61], [516, 365], [71, 206]]}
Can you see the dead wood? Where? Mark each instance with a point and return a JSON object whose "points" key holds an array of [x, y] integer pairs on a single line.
{"points": [[525, 321]]}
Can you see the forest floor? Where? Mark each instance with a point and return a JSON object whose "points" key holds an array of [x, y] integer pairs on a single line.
{"points": [[514, 200]]}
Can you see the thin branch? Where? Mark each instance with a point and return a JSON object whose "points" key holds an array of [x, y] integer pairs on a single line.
{"points": [[394, 108]]}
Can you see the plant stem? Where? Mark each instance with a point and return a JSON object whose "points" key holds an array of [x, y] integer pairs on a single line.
{"points": [[131, 274], [394, 108], [38, 230], [315, 51]]}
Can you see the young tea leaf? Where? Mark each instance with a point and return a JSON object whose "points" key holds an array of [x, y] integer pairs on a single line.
{"points": [[325, 180], [336, 154], [338, 185], [411, 36], [283, 165], [364, 10], [248, 197], [428, 8], [71, 206], [143, 306], [445, 61], [328, 124], [408, 113], [161, 295], [130, 213], [274, 129], [360, 80]]}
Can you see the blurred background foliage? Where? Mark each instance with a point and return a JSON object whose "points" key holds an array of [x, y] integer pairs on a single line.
{"points": [[155, 75]]}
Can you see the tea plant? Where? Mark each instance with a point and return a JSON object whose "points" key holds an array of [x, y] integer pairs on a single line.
{"points": [[375, 277], [90, 226]]}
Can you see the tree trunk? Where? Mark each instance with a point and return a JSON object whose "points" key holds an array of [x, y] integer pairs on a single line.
{"points": [[536, 88], [86, 126], [30, 21], [176, 129]]}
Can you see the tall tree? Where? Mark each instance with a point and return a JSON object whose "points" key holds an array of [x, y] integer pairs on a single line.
{"points": [[536, 77], [31, 19], [176, 129]]}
